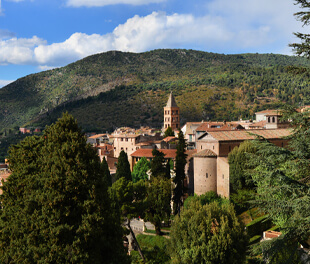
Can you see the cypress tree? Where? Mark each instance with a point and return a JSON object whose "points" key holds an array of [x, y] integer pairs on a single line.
{"points": [[106, 172], [123, 167], [180, 162]]}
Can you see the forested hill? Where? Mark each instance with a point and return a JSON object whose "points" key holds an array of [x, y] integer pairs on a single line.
{"points": [[114, 89]]}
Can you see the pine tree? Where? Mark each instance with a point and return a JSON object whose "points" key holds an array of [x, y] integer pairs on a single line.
{"points": [[180, 163], [55, 206], [106, 172], [157, 163], [123, 167], [303, 48]]}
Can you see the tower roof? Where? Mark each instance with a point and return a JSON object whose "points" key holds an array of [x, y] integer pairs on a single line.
{"points": [[171, 101]]}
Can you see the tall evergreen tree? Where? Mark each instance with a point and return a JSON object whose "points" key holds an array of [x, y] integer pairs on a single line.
{"points": [[157, 163], [123, 167], [106, 172], [55, 206], [303, 48], [180, 162]]}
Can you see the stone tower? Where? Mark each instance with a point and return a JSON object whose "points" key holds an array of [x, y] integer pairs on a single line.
{"points": [[171, 114]]}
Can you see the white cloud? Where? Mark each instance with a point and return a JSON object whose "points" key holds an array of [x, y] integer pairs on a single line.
{"points": [[96, 3], [18, 51], [5, 82], [138, 34], [227, 27]]}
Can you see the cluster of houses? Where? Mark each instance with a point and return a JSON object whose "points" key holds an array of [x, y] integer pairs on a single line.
{"points": [[209, 144]]}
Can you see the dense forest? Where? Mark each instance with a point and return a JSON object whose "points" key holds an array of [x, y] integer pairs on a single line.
{"points": [[114, 89]]}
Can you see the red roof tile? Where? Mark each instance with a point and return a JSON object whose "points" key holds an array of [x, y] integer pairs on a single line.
{"points": [[169, 153], [249, 134]]}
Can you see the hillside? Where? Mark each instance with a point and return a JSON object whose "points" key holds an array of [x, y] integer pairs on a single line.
{"points": [[114, 89]]}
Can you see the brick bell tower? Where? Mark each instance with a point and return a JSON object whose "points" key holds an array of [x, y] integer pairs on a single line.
{"points": [[171, 114]]}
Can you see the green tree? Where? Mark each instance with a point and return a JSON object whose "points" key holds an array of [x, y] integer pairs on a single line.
{"points": [[303, 48], [123, 167], [159, 199], [157, 164], [159, 192], [106, 172], [130, 199], [55, 206], [140, 170], [283, 184], [238, 165], [169, 132], [208, 233], [180, 162]]}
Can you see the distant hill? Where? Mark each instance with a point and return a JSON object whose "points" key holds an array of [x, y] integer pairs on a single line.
{"points": [[115, 89]]}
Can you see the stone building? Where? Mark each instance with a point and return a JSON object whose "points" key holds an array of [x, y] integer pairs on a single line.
{"points": [[171, 114], [211, 168]]}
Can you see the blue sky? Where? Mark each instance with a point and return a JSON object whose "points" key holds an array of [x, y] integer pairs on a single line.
{"points": [[37, 35]]}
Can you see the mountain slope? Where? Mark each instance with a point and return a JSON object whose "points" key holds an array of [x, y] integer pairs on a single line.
{"points": [[112, 89]]}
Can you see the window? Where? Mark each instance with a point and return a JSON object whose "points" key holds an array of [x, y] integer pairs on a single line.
{"points": [[122, 139], [177, 125], [126, 139], [176, 112], [223, 176], [229, 148], [206, 175], [268, 119], [273, 119]]}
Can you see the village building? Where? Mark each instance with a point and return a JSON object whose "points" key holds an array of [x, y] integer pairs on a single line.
{"points": [[211, 168], [171, 114]]}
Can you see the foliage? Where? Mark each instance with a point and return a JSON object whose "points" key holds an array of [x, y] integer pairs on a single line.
{"points": [[282, 178], [258, 226], [155, 249], [169, 132], [140, 170], [206, 86], [55, 206], [157, 164], [178, 180], [106, 172], [238, 165], [210, 233], [303, 48], [242, 199], [207, 198], [123, 167], [159, 198]]}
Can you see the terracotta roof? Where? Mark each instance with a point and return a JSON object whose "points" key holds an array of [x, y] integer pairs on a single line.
{"points": [[269, 112], [258, 124], [205, 153], [167, 139], [169, 153], [219, 126], [246, 134], [171, 101], [97, 136]]}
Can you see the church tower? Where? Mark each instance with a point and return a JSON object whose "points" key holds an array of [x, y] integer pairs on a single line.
{"points": [[171, 114]]}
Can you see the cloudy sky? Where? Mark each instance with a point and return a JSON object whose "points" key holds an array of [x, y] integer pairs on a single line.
{"points": [[37, 35]]}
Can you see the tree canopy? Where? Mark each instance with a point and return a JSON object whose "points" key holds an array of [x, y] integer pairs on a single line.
{"points": [[208, 233], [179, 179], [55, 205], [169, 132], [140, 170], [123, 167]]}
